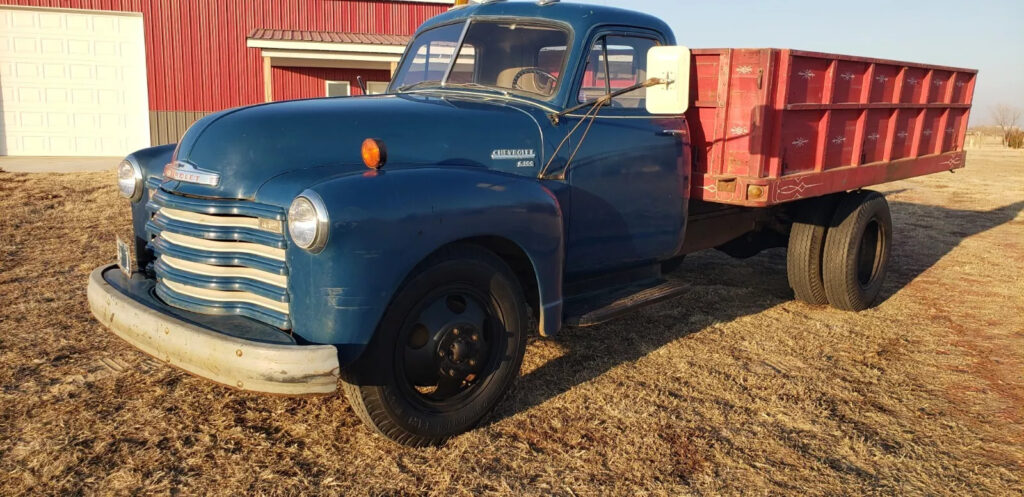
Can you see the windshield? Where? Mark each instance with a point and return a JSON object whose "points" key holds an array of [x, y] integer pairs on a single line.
{"points": [[505, 56]]}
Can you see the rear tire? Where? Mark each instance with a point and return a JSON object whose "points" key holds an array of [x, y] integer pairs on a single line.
{"points": [[806, 246], [446, 351], [857, 251]]}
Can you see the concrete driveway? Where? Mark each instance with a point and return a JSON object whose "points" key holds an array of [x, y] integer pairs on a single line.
{"points": [[57, 164]]}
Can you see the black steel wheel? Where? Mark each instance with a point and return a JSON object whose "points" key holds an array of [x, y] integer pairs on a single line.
{"points": [[446, 351], [857, 251]]}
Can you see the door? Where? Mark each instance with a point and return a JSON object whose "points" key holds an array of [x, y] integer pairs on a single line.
{"points": [[628, 182], [72, 83]]}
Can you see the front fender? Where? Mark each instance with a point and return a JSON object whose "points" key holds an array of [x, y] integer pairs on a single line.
{"points": [[384, 223], [152, 161]]}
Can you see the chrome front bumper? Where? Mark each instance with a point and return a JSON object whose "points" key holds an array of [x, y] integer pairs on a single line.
{"points": [[235, 362]]}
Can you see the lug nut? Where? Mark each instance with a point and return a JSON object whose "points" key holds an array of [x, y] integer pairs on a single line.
{"points": [[455, 332], [475, 337]]}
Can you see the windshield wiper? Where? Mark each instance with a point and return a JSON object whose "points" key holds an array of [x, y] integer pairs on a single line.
{"points": [[477, 86], [418, 84]]}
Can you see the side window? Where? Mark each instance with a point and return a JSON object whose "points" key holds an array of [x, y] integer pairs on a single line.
{"points": [[551, 59], [617, 62]]}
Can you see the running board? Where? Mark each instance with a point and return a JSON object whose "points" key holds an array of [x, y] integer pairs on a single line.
{"points": [[594, 309]]}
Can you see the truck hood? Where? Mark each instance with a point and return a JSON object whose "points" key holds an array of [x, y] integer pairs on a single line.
{"points": [[310, 140]]}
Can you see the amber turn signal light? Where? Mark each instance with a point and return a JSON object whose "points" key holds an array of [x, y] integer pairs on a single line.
{"points": [[374, 153]]}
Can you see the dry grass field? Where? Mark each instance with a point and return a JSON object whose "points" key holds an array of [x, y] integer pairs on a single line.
{"points": [[732, 389]]}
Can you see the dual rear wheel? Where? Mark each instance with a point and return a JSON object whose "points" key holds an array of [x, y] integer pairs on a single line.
{"points": [[839, 250]]}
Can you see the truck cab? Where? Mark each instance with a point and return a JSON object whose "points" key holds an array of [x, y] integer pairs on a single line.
{"points": [[529, 168]]}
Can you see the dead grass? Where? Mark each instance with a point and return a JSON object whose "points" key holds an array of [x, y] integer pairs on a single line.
{"points": [[732, 389]]}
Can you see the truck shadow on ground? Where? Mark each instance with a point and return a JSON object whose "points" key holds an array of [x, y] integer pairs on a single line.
{"points": [[924, 234], [724, 289]]}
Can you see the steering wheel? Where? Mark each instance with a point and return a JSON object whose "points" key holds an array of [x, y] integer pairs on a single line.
{"points": [[552, 79]]}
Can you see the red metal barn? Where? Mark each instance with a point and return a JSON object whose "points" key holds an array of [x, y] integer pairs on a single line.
{"points": [[105, 77]]}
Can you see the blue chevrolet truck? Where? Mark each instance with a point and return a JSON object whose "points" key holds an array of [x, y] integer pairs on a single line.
{"points": [[530, 168]]}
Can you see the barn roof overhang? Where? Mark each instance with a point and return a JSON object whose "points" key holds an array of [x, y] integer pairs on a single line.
{"points": [[296, 48]]}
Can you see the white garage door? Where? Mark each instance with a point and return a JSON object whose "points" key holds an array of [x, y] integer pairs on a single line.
{"points": [[72, 83]]}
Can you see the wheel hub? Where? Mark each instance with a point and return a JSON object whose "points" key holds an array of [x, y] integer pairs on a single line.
{"points": [[460, 352], [448, 346]]}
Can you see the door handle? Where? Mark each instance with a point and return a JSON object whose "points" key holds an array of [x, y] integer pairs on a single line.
{"points": [[671, 132]]}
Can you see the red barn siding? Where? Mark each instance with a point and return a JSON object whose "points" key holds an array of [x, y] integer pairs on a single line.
{"points": [[196, 56], [304, 82]]}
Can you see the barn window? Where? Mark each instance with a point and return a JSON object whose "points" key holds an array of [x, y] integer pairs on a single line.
{"points": [[338, 88]]}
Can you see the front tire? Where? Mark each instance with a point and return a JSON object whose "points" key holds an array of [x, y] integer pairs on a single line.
{"points": [[857, 251], [447, 349]]}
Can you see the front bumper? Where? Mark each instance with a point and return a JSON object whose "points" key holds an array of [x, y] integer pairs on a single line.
{"points": [[244, 364]]}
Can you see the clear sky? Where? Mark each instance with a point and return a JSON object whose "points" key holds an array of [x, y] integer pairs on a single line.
{"points": [[987, 35]]}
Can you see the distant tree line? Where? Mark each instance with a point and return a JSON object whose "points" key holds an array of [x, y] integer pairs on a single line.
{"points": [[1006, 118]]}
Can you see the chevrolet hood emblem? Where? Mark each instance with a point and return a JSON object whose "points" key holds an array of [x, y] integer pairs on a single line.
{"points": [[189, 173]]}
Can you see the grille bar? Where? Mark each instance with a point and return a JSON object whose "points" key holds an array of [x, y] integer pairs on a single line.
{"points": [[161, 246], [220, 257], [161, 222], [217, 278], [272, 279], [241, 308], [222, 247], [221, 296], [218, 206]]}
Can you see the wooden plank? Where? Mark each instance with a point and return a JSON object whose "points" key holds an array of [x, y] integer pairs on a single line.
{"points": [[890, 135], [779, 78], [915, 146], [969, 97], [826, 121], [858, 138], [717, 166], [865, 90], [853, 58], [856, 106], [940, 141]]}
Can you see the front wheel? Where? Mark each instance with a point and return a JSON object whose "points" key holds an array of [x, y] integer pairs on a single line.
{"points": [[447, 349]]}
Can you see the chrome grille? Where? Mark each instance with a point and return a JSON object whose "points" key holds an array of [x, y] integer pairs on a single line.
{"points": [[220, 256]]}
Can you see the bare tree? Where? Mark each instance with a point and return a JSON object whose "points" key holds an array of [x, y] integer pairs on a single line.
{"points": [[1006, 117]]}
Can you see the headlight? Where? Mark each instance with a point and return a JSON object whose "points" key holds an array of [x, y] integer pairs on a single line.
{"points": [[129, 180], [307, 222]]}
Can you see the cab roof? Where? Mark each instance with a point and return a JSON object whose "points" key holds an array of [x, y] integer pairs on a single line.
{"points": [[582, 17]]}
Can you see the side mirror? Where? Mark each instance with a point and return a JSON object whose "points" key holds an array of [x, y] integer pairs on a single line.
{"points": [[671, 64]]}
